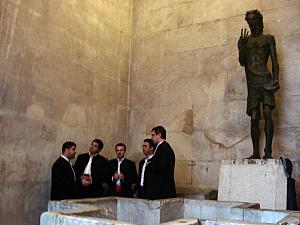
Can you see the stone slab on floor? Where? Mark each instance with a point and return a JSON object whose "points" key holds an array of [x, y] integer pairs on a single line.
{"points": [[183, 221], [254, 181], [113, 210], [292, 219], [229, 222]]}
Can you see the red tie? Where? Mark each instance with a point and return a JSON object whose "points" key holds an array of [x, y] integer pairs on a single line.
{"points": [[118, 187]]}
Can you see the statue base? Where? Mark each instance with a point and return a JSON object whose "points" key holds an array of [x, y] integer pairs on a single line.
{"points": [[255, 181]]}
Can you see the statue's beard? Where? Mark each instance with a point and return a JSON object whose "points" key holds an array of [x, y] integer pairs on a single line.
{"points": [[258, 29]]}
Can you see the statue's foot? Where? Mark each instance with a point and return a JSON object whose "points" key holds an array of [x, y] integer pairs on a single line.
{"points": [[267, 156], [254, 156]]}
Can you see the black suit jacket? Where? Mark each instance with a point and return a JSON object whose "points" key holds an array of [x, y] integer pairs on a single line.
{"points": [[139, 189], [159, 174], [128, 169], [99, 171], [63, 184]]}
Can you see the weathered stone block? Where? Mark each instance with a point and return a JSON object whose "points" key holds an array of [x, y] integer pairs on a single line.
{"points": [[228, 222], [285, 27], [236, 85], [283, 143], [180, 65], [183, 91], [260, 181], [147, 120], [289, 80], [171, 209], [122, 125], [207, 174], [175, 118], [104, 211], [14, 202], [152, 5], [196, 36], [186, 221], [234, 26], [195, 147], [214, 10], [290, 108], [154, 19], [143, 94], [216, 60], [205, 209], [52, 53], [178, 15], [183, 172], [147, 69], [135, 212], [293, 218], [153, 45]]}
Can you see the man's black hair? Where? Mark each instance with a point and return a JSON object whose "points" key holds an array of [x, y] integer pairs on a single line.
{"points": [[160, 130], [100, 143], [120, 144], [67, 144]]}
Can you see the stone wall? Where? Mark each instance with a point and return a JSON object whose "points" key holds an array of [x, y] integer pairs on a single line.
{"points": [[64, 73], [185, 75], [63, 76]]}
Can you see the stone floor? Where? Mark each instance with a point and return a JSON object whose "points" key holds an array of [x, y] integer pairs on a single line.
{"points": [[112, 210]]}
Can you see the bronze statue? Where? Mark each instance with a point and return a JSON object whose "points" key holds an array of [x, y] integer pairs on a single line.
{"points": [[254, 51]]}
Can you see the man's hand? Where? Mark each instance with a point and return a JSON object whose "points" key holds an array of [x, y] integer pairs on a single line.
{"points": [[121, 176], [243, 38], [118, 176], [86, 180]]}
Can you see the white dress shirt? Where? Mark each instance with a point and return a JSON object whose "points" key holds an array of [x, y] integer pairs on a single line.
{"points": [[68, 160], [119, 164], [144, 168], [87, 170]]}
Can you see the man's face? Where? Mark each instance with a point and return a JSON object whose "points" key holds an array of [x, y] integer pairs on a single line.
{"points": [[71, 152], [147, 150], [156, 138], [94, 148], [120, 151]]}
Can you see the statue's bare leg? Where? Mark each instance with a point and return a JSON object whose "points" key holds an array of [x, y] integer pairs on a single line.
{"points": [[269, 131], [255, 132]]}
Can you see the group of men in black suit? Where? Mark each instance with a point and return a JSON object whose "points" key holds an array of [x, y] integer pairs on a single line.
{"points": [[95, 176]]}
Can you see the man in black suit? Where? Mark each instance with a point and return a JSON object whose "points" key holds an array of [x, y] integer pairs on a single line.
{"points": [[63, 180], [92, 171], [160, 169], [123, 173], [142, 184]]}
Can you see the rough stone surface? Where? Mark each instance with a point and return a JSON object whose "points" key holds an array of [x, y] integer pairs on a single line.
{"points": [[228, 222], [293, 219], [255, 181], [64, 76], [183, 221], [67, 66], [166, 211]]}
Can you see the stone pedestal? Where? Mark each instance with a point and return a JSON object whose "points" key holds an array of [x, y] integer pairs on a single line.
{"points": [[255, 181]]}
